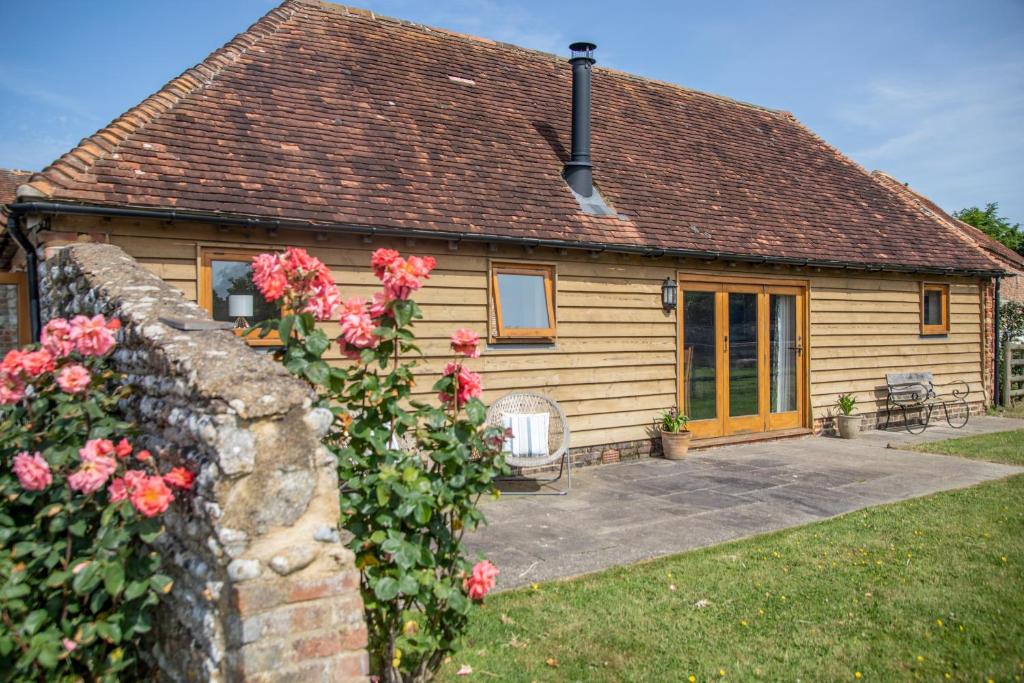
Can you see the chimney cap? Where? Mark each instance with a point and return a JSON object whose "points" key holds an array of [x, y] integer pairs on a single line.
{"points": [[583, 50]]}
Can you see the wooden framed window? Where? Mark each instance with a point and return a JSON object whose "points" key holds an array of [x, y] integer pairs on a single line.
{"points": [[523, 297], [934, 308], [14, 315], [227, 291]]}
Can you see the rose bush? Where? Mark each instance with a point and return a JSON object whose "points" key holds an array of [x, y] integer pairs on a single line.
{"points": [[412, 472], [78, 507]]}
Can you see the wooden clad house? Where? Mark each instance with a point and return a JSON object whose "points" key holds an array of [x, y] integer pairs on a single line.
{"points": [[798, 276]]}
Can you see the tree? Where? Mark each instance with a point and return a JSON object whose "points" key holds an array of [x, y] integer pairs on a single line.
{"points": [[995, 226]]}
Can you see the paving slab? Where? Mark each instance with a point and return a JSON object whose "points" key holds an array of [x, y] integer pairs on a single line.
{"points": [[625, 513]]}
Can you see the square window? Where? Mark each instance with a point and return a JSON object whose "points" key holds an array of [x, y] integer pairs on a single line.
{"points": [[523, 301], [934, 309], [227, 291]]}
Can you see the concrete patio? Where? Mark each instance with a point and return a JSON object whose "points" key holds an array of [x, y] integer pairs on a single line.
{"points": [[620, 514]]}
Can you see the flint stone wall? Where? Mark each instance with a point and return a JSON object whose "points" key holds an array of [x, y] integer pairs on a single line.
{"points": [[263, 588]]}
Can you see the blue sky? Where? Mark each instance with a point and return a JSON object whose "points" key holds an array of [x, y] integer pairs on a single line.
{"points": [[932, 92]]}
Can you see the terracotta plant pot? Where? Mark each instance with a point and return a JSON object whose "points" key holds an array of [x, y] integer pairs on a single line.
{"points": [[674, 445], [849, 425]]}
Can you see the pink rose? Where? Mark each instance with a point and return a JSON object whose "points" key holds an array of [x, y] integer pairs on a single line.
{"points": [[297, 261], [93, 336], [151, 497], [268, 276], [469, 385], [323, 298], [382, 260], [56, 337], [180, 478], [12, 388], [35, 363], [12, 362], [118, 490], [466, 342], [96, 467], [483, 578], [380, 306], [123, 449], [73, 379], [121, 488], [69, 644], [95, 448], [32, 470], [356, 325], [143, 456], [404, 276]]}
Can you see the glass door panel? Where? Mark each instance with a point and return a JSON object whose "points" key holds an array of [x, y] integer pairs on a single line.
{"points": [[742, 353], [785, 357], [700, 361], [742, 345]]}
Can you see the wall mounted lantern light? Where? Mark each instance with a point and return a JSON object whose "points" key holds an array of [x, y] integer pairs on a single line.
{"points": [[668, 294]]}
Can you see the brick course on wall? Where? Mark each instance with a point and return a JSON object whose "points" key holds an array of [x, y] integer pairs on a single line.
{"points": [[8, 318], [877, 420], [264, 590]]}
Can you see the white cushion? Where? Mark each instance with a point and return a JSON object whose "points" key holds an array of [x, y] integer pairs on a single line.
{"points": [[529, 434]]}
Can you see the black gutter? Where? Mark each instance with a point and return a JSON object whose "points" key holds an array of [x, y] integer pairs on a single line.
{"points": [[59, 208], [31, 271], [997, 398]]}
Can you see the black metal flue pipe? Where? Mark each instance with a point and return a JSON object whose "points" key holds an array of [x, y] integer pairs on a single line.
{"points": [[578, 170]]}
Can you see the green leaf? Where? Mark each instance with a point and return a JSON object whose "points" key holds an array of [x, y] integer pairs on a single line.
{"points": [[317, 372], [113, 579], [284, 328], [109, 631], [135, 589], [408, 585], [476, 411], [161, 583], [317, 342], [34, 620], [386, 589]]}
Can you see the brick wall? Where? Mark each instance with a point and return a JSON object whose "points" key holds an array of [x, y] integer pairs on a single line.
{"points": [[877, 420], [8, 318], [264, 590]]}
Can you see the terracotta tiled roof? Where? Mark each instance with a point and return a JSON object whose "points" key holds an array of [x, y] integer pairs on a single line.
{"points": [[9, 182], [918, 200], [329, 115]]}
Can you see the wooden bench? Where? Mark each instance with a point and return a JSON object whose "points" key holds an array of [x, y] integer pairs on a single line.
{"points": [[910, 391]]}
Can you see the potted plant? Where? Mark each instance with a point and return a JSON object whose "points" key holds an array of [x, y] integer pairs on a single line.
{"points": [[675, 440], [848, 423]]}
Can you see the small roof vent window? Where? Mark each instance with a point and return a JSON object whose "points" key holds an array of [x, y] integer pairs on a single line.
{"points": [[463, 81]]}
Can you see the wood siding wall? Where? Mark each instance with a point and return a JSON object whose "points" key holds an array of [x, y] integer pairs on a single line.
{"points": [[614, 364]]}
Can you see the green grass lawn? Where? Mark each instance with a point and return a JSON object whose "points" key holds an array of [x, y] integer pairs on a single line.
{"points": [[1007, 447], [927, 589]]}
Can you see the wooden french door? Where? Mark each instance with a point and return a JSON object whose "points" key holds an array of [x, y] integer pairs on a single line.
{"points": [[742, 356]]}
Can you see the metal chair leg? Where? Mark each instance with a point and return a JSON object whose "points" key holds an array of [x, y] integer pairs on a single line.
{"points": [[565, 467]]}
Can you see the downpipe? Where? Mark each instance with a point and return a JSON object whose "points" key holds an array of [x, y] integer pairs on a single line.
{"points": [[31, 271]]}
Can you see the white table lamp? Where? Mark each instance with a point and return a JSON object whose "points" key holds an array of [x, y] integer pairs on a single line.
{"points": [[240, 308]]}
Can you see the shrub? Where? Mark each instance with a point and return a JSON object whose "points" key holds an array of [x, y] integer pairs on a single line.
{"points": [[78, 581], [412, 471]]}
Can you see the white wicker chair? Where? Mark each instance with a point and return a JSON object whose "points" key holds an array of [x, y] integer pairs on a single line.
{"points": [[529, 402]]}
